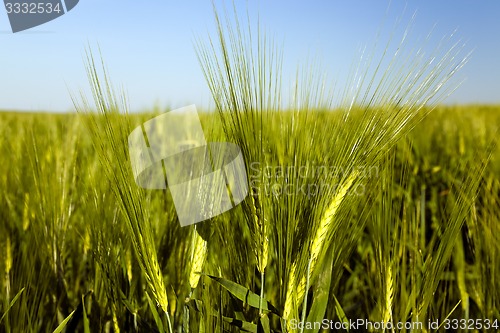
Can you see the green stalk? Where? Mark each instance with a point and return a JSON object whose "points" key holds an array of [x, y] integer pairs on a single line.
{"points": [[261, 292], [304, 306]]}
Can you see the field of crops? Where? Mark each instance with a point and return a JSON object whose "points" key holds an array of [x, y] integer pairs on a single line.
{"points": [[415, 237], [370, 210]]}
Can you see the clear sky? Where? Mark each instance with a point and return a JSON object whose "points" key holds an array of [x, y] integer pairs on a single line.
{"points": [[148, 46]]}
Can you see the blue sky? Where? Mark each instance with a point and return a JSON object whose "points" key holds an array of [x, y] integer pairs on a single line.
{"points": [[148, 46]]}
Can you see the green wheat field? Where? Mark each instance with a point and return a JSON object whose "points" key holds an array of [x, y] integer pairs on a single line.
{"points": [[382, 207]]}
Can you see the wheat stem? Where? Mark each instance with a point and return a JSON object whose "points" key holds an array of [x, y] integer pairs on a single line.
{"points": [[304, 306]]}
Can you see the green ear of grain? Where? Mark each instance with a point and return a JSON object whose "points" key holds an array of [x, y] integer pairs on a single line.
{"points": [[198, 258], [109, 128]]}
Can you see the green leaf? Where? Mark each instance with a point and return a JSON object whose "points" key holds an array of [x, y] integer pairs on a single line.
{"points": [[244, 294], [340, 313], [12, 303], [459, 264], [195, 304], [63, 324], [241, 324], [86, 325], [155, 314], [237, 307], [263, 326], [321, 294]]}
